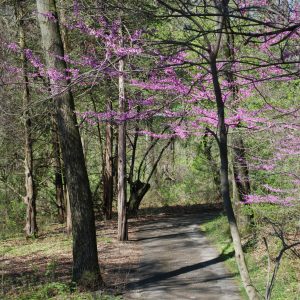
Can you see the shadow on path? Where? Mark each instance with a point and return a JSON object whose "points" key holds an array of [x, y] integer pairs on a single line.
{"points": [[166, 275], [179, 263]]}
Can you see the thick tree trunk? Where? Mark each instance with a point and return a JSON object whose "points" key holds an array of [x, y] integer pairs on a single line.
{"points": [[122, 215], [108, 169], [59, 187], [223, 150], [30, 198], [85, 259], [63, 6]]}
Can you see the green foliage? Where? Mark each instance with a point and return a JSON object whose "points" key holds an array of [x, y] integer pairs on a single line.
{"points": [[12, 217], [51, 269], [184, 178], [59, 291], [46, 291], [18, 247]]}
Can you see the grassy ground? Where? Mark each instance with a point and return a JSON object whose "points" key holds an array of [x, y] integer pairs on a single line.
{"points": [[287, 283], [39, 269]]}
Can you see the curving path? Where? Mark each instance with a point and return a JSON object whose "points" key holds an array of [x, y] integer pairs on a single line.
{"points": [[179, 263]]}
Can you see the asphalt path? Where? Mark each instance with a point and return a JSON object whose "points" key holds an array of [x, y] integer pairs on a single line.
{"points": [[178, 262]]}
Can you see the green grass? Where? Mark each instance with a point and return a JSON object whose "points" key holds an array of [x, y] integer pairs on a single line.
{"points": [[31, 247], [58, 291], [20, 247], [286, 285], [53, 244]]}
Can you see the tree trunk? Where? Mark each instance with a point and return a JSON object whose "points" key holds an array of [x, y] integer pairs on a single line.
{"points": [[30, 198], [138, 190], [68, 212], [62, 8], [155, 177], [108, 169], [223, 150], [241, 179], [122, 216], [240, 167], [59, 187], [212, 164], [85, 259], [67, 200]]}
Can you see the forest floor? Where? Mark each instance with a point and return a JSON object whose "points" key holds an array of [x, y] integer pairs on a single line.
{"points": [[41, 268], [166, 255]]}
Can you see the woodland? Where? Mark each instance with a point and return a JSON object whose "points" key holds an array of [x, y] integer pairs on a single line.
{"points": [[112, 112]]}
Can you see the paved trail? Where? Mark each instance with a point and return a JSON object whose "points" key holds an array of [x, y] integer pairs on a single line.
{"points": [[178, 263]]}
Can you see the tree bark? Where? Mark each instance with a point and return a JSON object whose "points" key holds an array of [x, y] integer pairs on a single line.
{"points": [[212, 164], [155, 178], [58, 181], [31, 228], [62, 7], [223, 151], [241, 179], [108, 169], [122, 193], [85, 259], [68, 210], [240, 167], [138, 190]]}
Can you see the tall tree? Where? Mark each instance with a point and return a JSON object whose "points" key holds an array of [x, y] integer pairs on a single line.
{"points": [[241, 179], [85, 258], [122, 193], [108, 167], [58, 174], [30, 198], [225, 190], [214, 168]]}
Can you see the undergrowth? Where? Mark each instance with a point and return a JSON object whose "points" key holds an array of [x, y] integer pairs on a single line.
{"points": [[287, 280], [58, 291]]}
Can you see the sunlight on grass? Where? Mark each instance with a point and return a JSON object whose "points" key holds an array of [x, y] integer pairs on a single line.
{"points": [[22, 247], [53, 244], [59, 291], [286, 285]]}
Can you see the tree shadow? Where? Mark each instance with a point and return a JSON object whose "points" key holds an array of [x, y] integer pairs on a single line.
{"points": [[167, 236], [180, 209], [162, 276]]}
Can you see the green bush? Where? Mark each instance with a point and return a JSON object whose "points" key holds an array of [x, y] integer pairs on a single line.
{"points": [[12, 218]]}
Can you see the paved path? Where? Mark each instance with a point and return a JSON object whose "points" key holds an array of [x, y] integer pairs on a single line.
{"points": [[178, 263]]}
